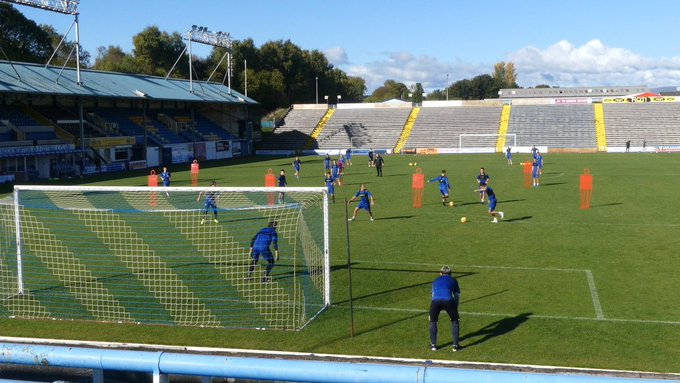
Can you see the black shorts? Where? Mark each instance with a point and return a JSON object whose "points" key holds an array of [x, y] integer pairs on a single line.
{"points": [[437, 306]]}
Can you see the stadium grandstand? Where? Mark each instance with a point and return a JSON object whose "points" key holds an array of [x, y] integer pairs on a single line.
{"points": [[556, 119], [52, 126]]}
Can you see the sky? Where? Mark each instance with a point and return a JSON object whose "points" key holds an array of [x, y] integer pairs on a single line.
{"points": [[559, 43]]}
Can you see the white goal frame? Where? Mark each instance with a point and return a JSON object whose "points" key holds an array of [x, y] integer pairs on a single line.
{"points": [[322, 191], [461, 136]]}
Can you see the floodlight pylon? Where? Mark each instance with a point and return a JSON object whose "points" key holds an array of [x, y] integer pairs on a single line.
{"points": [[67, 7], [201, 34]]}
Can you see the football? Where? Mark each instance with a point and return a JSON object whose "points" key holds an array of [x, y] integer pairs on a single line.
{"points": [[410, 164], [451, 203], [463, 220]]}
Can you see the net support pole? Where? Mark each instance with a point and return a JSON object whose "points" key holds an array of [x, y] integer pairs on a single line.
{"points": [[17, 227], [326, 253], [349, 274]]}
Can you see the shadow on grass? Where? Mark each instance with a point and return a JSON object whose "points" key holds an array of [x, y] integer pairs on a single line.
{"points": [[424, 313], [485, 296], [607, 204], [497, 328], [512, 200], [395, 217], [401, 288], [519, 218], [383, 292], [553, 183]]}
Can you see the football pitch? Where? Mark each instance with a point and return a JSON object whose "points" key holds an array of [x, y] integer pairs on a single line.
{"points": [[549, 285]]}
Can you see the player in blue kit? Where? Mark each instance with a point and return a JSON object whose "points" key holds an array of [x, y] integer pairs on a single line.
{"points": [[165, 177], [492, 203], [282, 183], [259, 245], [365, 202], [539, 160], [508, 155], [296, 166], [210, 202], [482, 180], [348, 156], [327, 163], [330, 185], [335, 173], [533, 151], [535, 173], [444, 186], [445, 296]]}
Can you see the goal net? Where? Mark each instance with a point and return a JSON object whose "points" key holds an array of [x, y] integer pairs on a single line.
{"points": [[487, 143], [165, 255]]}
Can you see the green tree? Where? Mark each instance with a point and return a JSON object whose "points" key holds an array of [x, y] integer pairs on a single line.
{"points": [[505, 74], [155, 52], [417, 92], [66, 48], [22, 39], [114, 59], [388, 91], [355, 87]]}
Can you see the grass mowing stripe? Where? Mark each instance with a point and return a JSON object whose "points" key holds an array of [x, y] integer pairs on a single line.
{"points": [[145, 264]]}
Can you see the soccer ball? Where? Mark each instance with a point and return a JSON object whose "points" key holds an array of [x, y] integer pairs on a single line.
{"points": [[415, 164], [410, 164], [463, 220], [451, 203]]}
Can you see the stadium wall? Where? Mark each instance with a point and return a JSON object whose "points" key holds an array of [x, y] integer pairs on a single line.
{"points": [[293, 368]]}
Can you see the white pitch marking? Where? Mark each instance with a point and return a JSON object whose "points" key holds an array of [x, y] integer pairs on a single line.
{"points": [[538, 316], [594, 296], [589, 275]]}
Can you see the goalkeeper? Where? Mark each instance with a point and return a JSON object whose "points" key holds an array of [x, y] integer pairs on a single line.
{"points": [[259, 245]]}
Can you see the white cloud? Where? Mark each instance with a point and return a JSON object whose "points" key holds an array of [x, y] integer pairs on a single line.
{"points": [[408, 69], [591, 64], [561, 64], [336, 56]]}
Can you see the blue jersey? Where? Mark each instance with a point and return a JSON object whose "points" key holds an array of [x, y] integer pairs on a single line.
{"points": [[444, 288], [282, 181], [348, 154], [539, 161], [533, 152], [264, 238], [165, 176], [327, 163], [443, 182], [334, 171], [329, 184], [296, 164], [490, 194], [364, 196], [482, 179], [508, 153]]}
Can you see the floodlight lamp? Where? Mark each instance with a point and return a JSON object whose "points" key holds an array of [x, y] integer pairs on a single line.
{"points": [[193, 26]]}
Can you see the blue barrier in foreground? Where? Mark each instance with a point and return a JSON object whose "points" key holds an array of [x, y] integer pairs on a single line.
{"points": [[161, 364]]}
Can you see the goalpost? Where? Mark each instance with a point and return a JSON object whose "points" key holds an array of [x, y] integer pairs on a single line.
{"points": [[153, 255], [485, 141]]}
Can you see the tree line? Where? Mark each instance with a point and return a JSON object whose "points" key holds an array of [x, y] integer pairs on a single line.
{"points": [[278, 73]]}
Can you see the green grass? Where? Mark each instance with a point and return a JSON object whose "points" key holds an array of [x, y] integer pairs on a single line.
{"points": [[526, 296]]}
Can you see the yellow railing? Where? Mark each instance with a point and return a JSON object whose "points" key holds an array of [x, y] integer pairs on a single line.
{"points": [[406, 132], [503, 128], [600, 136], [318, 129]]}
